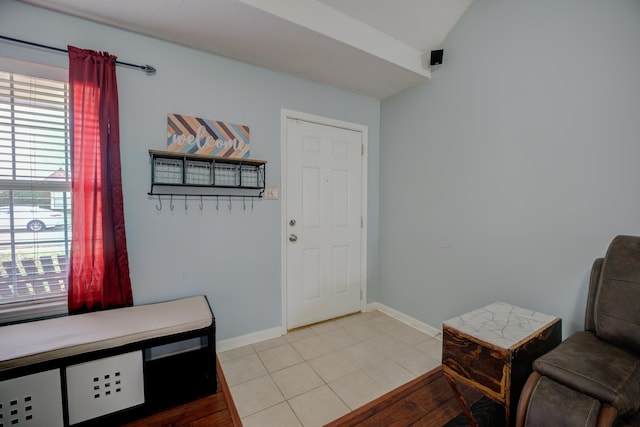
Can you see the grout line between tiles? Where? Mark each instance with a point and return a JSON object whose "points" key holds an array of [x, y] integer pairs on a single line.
{"points": [[341, 323]]}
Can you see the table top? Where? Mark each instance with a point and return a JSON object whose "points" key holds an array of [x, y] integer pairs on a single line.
{"points": [[500, 324]]}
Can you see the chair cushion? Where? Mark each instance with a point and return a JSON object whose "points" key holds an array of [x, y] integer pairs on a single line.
{"points": [[549, 401], [594, 367], [634, 421], [616, 313]]}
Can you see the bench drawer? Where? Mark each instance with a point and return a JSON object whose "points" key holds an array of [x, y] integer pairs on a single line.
{"points": [[104, 386], [32, 400]]}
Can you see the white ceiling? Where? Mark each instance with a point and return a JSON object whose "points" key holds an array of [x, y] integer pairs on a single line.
{"points": [[370, 47]]}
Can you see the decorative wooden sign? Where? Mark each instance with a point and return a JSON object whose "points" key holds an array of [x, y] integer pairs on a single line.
{"points": [[194, 135]]}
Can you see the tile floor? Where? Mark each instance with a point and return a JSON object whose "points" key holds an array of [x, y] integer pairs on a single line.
{"points": [[314, 375]]}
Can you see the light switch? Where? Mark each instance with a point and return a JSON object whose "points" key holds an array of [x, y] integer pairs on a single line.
{"points": [[271, 192]]}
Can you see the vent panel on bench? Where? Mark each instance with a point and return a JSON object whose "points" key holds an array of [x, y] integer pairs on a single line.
{"points": [[103, 386], [32, 400]]}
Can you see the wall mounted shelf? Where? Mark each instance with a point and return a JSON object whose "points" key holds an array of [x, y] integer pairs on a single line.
{"points": [[174, 173]]}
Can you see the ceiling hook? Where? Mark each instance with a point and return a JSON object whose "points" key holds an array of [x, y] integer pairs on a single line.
{"points": [[244, 203], [217, 203], [201, 205], [160, 202], [171, 206], [186, 207], [229, 203]]}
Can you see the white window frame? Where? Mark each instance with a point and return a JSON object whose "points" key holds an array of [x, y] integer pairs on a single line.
{"points": [[49, 306]]}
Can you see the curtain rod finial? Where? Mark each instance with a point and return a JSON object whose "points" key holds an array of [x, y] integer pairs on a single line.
{"points": [[149, 69]]}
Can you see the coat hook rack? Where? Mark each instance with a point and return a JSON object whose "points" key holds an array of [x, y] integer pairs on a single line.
{"points": [[230, 198]]}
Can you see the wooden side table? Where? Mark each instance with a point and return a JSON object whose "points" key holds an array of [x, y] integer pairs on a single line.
{"points": [[492, 349]]}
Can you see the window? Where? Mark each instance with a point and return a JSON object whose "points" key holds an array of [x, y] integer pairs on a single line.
{"points": [[35, 195]]}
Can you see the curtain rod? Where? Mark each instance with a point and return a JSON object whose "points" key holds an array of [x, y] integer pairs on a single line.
{"points": [[146, 68]]}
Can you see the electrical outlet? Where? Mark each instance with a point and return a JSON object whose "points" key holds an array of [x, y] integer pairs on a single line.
{"points": [[271, 193]]}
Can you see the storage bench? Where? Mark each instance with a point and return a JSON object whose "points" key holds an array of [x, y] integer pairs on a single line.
{"points": [[104, 367]]}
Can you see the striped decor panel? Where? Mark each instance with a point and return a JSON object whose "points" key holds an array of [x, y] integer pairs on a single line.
{"points": [[193, 135]]}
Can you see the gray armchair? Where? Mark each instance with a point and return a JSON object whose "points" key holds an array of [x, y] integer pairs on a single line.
{"points": [[593, 377]]}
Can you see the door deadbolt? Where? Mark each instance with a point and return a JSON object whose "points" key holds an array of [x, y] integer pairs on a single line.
{"points": [[293, 238]]}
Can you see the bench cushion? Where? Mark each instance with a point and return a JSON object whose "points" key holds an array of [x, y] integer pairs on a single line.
{"points": [[33, 342]]}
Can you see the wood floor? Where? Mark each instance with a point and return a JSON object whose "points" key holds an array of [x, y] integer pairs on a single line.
{"points": [[215, 410], [427, 401]]}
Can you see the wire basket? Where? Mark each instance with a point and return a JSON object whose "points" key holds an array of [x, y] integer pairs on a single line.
{"points": [[251, 176], [225, 174], [198, 173], [167, 171]]}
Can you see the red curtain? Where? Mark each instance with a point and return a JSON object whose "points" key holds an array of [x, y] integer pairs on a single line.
{"points": [[99, 265]]}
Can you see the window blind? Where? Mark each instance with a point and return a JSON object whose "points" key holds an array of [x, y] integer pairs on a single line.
{"points": [[35, 185]]}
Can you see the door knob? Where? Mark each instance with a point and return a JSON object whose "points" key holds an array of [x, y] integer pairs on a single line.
{"points": [[292, 222], [293, 238]]}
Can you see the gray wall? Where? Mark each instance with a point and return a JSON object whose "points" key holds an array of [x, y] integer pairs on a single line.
{"points": [[507, 173], [232, 257]]}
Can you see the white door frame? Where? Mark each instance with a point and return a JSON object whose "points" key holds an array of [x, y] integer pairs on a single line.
{"points": [[364, 130]]}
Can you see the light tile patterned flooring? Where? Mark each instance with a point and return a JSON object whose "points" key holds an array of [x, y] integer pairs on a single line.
{"points": [[314, 375]]}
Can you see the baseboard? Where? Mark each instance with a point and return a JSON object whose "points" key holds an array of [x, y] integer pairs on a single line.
{"points": [[255, 337], [252, 338], [415, 323]]}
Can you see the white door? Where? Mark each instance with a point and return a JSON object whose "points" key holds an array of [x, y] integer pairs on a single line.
{"points": [[323, 223]]}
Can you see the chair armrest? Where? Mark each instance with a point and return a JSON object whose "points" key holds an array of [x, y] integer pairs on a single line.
{"points": [[525, 396]]}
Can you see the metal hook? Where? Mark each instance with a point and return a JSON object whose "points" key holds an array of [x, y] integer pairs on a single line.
{"points": [[186, 207], [201, 205], [244, 203], [159, 201], [171, 203], [252, 199], [217, 203], [229, 203]]}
